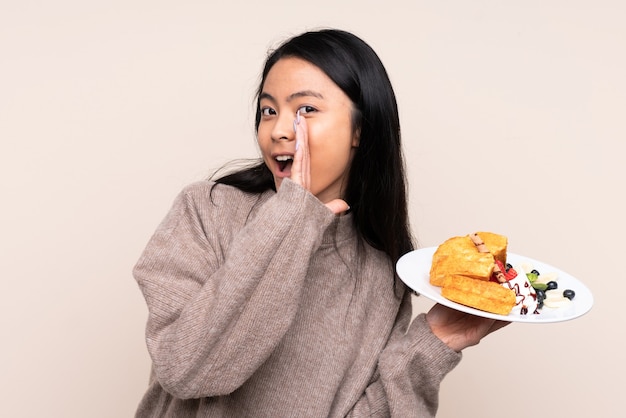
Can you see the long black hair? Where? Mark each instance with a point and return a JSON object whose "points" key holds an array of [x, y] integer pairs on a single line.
{"points": [[376, 189]]}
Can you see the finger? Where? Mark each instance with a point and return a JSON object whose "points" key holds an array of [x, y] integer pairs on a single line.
{"points": [[337, 206], [498, 325], [298, 158], [296, 168], [302, 137]]}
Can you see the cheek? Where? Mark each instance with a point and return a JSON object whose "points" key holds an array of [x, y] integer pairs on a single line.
{"points": [[262, 137], [330, 156]]}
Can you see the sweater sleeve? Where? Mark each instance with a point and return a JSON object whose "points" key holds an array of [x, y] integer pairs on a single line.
{"points": [[212, 323], [410, 371]]}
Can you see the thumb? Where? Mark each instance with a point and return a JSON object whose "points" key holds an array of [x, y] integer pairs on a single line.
{"points": [[337, 206]]}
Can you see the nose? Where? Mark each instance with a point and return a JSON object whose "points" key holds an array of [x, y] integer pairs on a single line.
{"points": [[283, 129]]}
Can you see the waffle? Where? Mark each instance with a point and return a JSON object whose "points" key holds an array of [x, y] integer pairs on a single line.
{"points": [[484, 295]]}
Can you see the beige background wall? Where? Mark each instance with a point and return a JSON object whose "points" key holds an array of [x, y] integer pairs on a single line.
{"points": [[513, 121]]}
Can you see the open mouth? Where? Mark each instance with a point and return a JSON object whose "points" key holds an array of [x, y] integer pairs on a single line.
{"points": [[284, 162]]}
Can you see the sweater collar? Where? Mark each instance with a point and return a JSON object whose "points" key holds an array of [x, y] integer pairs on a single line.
{"points": [[340, 229]]}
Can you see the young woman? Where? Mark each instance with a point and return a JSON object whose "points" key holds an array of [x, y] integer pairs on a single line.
{"points": [[271, 291]]}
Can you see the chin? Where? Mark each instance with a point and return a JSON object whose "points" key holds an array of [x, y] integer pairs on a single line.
{"points": [[277, 183]]}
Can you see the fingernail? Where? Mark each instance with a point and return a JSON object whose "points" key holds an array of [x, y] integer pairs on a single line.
{"points": [[296, 121], [297, 145]]}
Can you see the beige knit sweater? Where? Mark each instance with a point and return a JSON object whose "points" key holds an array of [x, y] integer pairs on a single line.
{"points": [[268, 306]]}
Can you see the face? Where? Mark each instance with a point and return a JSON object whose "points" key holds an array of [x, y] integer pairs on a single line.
{"points": [[293, 84]]}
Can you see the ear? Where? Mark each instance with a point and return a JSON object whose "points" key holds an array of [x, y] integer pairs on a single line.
{"points": [[356, 138]]}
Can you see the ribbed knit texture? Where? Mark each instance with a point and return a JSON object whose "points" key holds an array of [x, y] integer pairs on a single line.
{"points": [[267, 306]]}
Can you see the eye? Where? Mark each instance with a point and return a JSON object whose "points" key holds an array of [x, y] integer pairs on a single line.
{"points": [[306, 109], [267, 111]]}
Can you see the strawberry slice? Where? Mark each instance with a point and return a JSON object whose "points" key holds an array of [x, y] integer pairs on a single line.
{"points": [[508, 273]]}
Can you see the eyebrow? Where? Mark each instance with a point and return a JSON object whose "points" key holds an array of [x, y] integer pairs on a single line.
{"points": [[303, 93]]}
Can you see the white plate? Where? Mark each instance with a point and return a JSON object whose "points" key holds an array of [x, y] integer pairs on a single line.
{"points": [[414, 270]]}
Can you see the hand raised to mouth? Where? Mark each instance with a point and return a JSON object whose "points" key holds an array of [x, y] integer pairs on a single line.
{"points": [[301, 168]]}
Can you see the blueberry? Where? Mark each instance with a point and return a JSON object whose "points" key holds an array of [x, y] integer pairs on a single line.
{"points": [[535, 272], [569, 293], [508, 266], [541, 295], [552, 285]]}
